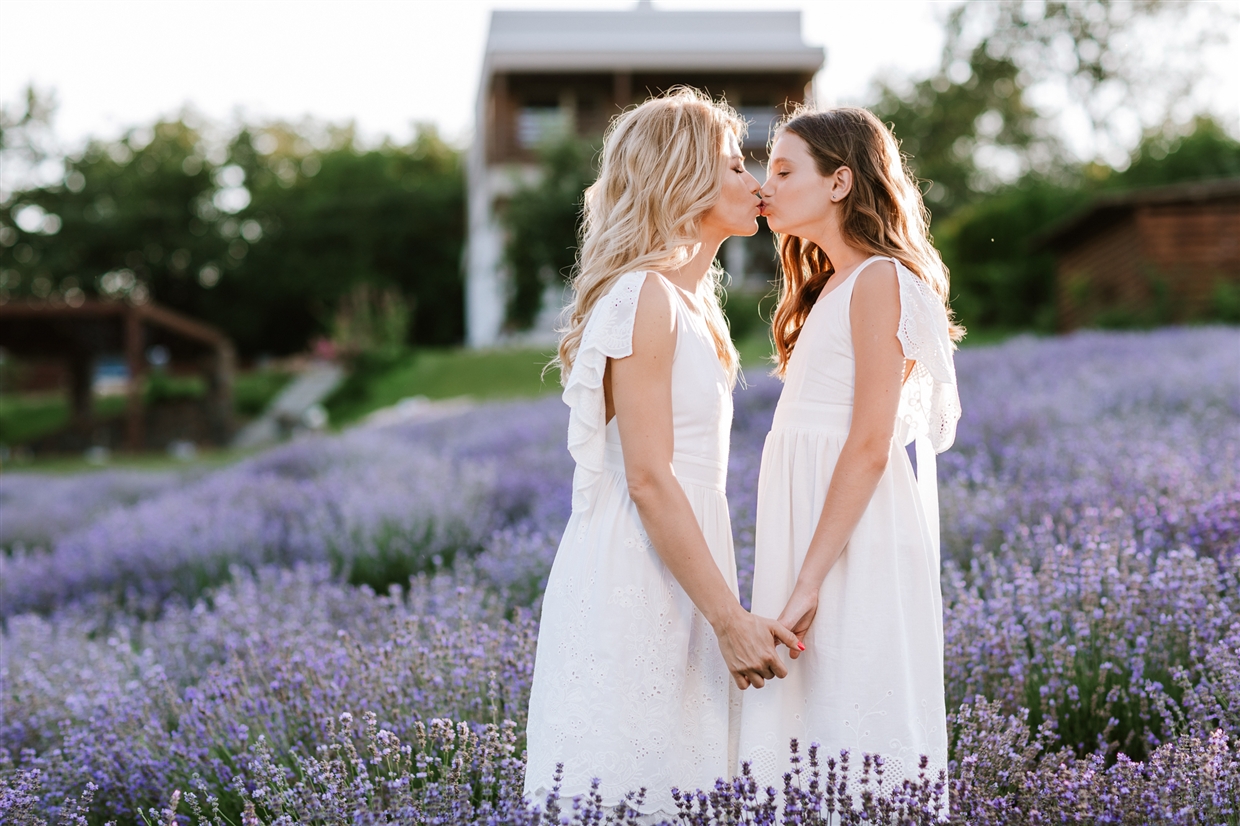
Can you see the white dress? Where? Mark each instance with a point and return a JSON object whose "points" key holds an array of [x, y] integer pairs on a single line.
{"points": [[871, 677], [629, 685]]}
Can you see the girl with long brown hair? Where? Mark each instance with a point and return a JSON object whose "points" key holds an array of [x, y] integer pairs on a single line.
{"points": [[847, 535]]}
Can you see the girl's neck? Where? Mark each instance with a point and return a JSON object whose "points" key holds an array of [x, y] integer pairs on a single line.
{"points": [[842, 255]]}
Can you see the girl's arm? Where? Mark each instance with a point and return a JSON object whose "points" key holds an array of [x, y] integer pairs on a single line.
{"points": [[640, 391], [880, 373]]}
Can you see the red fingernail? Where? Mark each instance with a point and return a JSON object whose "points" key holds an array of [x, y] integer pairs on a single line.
{"points": [[800, 645]]}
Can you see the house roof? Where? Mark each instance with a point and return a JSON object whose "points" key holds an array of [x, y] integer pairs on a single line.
{"points": [[1107, 209], [644, 38]]}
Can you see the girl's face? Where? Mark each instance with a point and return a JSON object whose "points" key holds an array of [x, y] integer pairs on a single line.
{"points": [[736, 211], [796, 199]]}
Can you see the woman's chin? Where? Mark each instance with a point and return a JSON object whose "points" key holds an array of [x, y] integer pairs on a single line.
{"points": [[744, 228]]}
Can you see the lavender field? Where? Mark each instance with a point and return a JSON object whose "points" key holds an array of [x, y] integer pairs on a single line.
{"points": [[341, 630]]}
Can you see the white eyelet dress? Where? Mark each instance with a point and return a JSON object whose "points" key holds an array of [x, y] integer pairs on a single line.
{"points": [[629, 685], [871, 677]]}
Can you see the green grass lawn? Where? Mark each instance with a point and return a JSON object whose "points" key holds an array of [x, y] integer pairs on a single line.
{"points": [[442, 374], [479, 374], [206, 459], [376, 383], [29, 416], [26, 417], [495, 374]]}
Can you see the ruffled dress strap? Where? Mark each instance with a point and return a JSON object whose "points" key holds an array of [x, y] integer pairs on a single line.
{"points": [[929, 401], [608, 334], [930, 404]]}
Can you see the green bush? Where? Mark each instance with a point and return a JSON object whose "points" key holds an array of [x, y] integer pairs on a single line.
{"points": [[164, 387], [748, 312], [1225, 302], [253, 391], [542, 221]]}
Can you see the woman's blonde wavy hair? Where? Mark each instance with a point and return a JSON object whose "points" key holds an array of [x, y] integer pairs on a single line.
{"points": [[882, 215], [661, 166]]}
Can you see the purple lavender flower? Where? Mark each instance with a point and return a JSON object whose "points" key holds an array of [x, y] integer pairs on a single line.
{"points": [[201, 635]]}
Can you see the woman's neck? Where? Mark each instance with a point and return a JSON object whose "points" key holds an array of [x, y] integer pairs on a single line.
{"points": [[688, 276]]}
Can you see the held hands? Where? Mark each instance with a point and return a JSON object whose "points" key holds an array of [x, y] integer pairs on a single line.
{"points": [[749, 646], [798, 615]]}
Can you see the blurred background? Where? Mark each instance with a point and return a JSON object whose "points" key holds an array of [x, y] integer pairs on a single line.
{"points": [[222, 224]]}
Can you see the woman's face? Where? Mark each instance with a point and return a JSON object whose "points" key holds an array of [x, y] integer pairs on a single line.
{"points": [[796, 198], [736, 211]]}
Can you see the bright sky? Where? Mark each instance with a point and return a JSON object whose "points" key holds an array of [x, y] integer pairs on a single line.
{"points": [[382, 63]]}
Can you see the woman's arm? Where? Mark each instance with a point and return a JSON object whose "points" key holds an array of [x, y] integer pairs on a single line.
{"points": [[641, 394], [881, 369]]}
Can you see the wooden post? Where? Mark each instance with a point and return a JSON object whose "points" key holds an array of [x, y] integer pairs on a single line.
{"points": [[220, 368], [135, 437], [501, 137], [81, 391], [622, 89]]}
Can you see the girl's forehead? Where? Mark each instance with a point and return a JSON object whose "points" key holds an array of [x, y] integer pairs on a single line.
{"points": [[731, 144], [785, 146]]}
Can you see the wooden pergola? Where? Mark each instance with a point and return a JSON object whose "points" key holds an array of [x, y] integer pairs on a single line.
{"points": [[80, 335]]}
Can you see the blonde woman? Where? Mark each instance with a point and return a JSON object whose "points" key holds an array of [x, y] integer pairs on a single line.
{"points": [[643, 644], [847, 537]]}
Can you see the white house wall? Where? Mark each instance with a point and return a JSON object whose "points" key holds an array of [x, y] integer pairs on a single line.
{"points": [[611, 41]]}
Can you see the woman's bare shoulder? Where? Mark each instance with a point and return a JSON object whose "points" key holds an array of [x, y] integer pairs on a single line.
{"points": [[656, 312]]}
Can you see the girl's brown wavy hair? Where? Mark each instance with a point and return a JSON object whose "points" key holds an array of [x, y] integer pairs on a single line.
{"points": [[882, 215]]}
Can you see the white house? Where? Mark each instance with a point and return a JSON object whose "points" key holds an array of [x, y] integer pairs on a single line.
{"points": [[548, 74]]}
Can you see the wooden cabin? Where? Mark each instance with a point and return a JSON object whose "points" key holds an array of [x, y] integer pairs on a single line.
{"points": [[1164, 255]]}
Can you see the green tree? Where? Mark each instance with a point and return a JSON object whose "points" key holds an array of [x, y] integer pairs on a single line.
{"points": [[1003, 277], [946, 122], [27, 138], [542, 222], [969, 128], [1122, 64], [264, 236], [996, 175], [1201, 151], [123, 222], [322, 222]]}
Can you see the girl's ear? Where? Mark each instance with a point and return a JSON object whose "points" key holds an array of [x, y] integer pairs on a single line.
{"points": [[841, 183]]}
